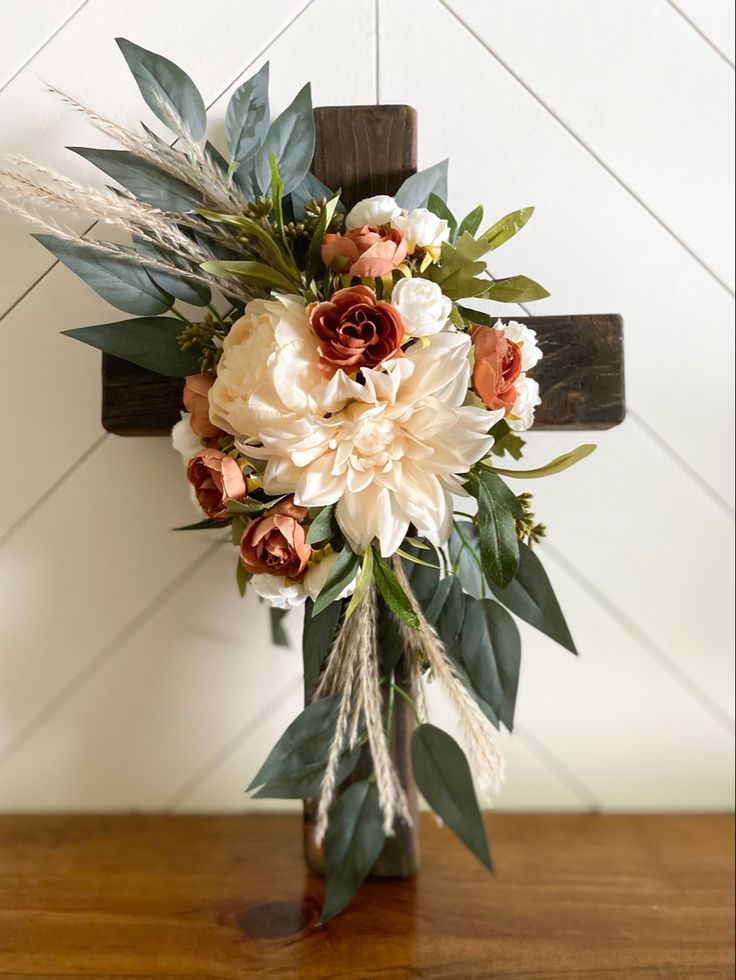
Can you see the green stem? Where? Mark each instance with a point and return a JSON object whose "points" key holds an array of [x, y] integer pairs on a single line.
{"points": [[409, 700], [180, 316], [215, 314]]}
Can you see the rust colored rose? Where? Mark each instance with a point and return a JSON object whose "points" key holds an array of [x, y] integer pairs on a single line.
{"points": [[216, 478], [368, 252], [497, 366], [196, 401], [355, 331], [275, 543]]}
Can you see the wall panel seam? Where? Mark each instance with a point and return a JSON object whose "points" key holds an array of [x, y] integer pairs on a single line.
{"points": [[43, 44]]}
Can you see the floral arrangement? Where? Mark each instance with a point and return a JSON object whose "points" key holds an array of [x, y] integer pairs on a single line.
{"points": [[346, 420]]}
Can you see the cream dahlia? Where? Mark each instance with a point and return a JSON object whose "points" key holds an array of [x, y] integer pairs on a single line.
{"points": [[393, 455]]}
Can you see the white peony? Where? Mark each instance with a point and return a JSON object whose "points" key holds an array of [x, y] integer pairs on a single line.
{"points": [[268, 369], [284, 594], [378, 210], [394, 455], [184, 440], [521, 416], [422, 305], [525, 339], [421, 227]]}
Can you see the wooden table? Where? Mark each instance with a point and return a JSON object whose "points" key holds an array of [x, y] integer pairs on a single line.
{"points": [[228, 897]]}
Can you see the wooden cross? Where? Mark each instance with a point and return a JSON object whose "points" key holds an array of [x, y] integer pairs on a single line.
{"points": [[369, 150]]}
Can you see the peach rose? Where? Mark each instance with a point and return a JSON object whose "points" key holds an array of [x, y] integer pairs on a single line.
{"points": [[355, 331], [275, 543], [216, 478], [196, 401], [367, 252], [497, 366]]}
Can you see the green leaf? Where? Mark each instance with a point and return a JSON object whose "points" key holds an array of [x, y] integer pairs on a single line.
{"points": [[415, 191], [557, 465], [296, 763], [471, 248], [241, 577], [279, 637], [395, 597], [182, 287], [531, 597], [471, 221], [121, 281], [515, 289], [506, 441], [206, 525], [250, 227], [507, 227], [247, 116], [311, 189], [423, 578], [353, 841], [446, 610], [246, 269], [314, 256], [443, 776], [317, 639], [457, 274], [342, 574], [364, 580], [291, 138], [491, 651], [498, 510], [322, 527], [146, 182], [149, 342], [437, 206], [247, 506], [464, 548], [168, 91]]}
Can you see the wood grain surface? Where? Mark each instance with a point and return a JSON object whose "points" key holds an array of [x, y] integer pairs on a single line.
{"points": [[226, 897]]}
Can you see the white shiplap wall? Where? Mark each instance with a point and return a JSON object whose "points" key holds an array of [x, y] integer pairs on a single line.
{"points": [[131, 675]]}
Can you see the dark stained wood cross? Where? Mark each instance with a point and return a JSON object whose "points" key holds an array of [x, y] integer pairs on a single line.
{"points": [[369, 150]]}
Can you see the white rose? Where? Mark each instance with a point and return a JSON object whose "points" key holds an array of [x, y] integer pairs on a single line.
{"points": [[521, 416], [268, 370], [422, 305], [184, 440], [525, 339], [377, 210], [279, 591], [421, 227]]}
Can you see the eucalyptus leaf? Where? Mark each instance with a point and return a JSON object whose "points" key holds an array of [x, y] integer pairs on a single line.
{"points": [[447, 609], [149, 342], [443, 776], [395, 597], [123, 282], [498, 510], [276, 616], [491, 651], [168, 91], [247, 116], [507, 227], [317, 638], [146, 182], [342, 575], [291, 139], [294, 766], [531, 597], [353, 842], [180, 286], [415, 191], [471, 221], [514, 289], [557, 465], [423, 578], [322, 527], [464, 548]]}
